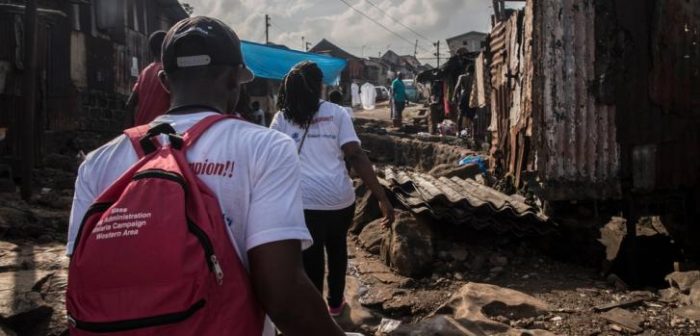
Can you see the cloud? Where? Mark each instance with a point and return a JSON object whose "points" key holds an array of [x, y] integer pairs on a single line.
{"points": [[330, 19]]}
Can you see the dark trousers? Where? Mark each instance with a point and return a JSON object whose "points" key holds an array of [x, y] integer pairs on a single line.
{"points": [[329, 230]]}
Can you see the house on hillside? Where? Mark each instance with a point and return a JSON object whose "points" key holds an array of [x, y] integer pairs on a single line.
{"points": [[408, 65], [471, 41], [89, 56], [376, 71], [353, 72]]}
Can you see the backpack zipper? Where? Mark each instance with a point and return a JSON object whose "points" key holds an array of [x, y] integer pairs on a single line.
{"points": [[209, 256], [212, 260], [93, 209], [139, 323]]}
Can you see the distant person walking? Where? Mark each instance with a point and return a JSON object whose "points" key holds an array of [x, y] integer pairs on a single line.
{"points": [[355, 91], [398, 96], [324, 135], [148, 98], [467, 114], [336, 97]]}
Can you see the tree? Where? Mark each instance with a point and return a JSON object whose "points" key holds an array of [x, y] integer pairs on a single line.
{"points": [[187, 7]]}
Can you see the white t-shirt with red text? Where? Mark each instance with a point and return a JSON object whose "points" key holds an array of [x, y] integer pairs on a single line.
{"points": [[325, 183], [253, 171]]}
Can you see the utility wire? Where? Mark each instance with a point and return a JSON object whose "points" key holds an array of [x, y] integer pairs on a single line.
{"points": [[381, 25], [397, 21]]}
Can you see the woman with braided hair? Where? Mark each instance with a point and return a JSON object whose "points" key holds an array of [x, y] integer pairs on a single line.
{"points": [[325, 137]]}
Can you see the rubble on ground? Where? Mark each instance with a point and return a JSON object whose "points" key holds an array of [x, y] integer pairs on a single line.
{"points": [[33, 265]]}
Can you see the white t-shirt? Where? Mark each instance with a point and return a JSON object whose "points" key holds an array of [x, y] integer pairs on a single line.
{"points": [[260, 200], [325, 184]]}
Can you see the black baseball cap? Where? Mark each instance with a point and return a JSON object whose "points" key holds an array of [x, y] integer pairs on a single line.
{"points": [[202, 41]]}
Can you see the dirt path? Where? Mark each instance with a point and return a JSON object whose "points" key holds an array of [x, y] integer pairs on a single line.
{"points": [[375, 293]]}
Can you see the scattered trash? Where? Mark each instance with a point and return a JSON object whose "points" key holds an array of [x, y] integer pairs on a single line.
{"points": [[447, 127], [625, 319], [388, 325], [475, 159], [623, 304]]}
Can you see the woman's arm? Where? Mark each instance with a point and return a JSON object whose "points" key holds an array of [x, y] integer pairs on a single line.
{"points": [[359, 160]]}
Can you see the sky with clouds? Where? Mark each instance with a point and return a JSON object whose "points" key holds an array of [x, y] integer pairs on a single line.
{"points": [[332, 19]]}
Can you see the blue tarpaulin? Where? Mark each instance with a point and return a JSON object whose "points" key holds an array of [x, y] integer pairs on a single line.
{"points": [[274, 63]]}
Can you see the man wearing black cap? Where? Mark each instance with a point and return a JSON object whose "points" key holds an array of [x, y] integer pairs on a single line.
{"points": [[259, 196]]}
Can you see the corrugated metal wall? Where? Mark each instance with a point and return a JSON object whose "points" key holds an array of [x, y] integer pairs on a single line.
{"points": [[577, 150], [546, 117], [592, 95]]}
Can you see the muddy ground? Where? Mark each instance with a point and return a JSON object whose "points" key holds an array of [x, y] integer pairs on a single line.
{"points": [[33, 277]]}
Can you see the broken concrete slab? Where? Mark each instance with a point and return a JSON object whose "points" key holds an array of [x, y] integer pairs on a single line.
{"points": [[694, 296], [683, 280], [689, 312], [624, 318], [474, 304]]}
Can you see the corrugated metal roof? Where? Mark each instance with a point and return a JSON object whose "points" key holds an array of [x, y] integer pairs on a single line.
{"points": [[465, 202]]}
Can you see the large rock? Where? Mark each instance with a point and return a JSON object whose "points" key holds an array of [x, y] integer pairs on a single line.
{"points": [[625, 318], [366, 209], [408, 248], [683, 280], [372, 236], [695, 294], [474, 305]]}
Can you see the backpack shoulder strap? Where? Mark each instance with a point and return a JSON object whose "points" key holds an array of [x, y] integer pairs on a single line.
{"points": [[135, 134], [142, 140], [192, 135]]}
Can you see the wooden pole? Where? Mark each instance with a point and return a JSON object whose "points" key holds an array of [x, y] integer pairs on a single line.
{"points": [[27, 126]]}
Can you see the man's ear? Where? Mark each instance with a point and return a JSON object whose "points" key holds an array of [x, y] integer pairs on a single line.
{"points": [[232, 82], [163, 78]]}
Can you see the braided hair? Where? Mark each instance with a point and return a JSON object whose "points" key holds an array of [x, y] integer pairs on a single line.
{"points": [[300, 93]]}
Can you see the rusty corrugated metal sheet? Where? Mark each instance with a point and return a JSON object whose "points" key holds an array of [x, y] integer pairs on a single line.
{"points": [[511, 98], [588, 94], [465, 202], [578, 155], [546, 118]]}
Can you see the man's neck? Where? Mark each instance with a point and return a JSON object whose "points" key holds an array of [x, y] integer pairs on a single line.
{"points": [[186, 105], [192, 108]]}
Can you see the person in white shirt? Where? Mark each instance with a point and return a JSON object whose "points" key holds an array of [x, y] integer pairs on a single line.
{"points": [[258, 114], [258, 191], [336, 97], [355, 92], [325, 136]]}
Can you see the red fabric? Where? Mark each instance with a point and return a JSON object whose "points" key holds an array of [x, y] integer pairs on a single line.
{"points": [[153, 100], [158, 266], [446, 99]]}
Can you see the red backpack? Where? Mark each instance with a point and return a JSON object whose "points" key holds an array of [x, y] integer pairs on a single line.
{"points": [[153, 255]]}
